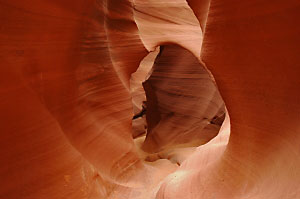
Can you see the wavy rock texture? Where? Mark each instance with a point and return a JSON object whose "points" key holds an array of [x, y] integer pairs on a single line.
{"points": [[66, 107], [251, 48]]}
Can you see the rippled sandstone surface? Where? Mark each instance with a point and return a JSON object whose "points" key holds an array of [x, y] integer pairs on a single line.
{"points": [[67, 101]]}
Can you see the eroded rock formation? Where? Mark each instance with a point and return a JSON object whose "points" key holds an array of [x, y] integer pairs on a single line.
{"points": [[66, 101], [182, 102]]}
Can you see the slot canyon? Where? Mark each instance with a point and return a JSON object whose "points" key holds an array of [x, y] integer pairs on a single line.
{"points": [[149, 99]]}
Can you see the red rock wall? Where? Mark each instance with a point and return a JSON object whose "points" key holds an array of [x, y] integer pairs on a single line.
{"points": [[252, 50], [65, 114], [66, 111]]}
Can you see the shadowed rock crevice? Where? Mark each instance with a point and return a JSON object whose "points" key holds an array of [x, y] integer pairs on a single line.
{"points": [[182, 102]]}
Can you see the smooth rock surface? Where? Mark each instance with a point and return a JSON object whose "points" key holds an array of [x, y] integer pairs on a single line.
{"points": [[66, 105]]}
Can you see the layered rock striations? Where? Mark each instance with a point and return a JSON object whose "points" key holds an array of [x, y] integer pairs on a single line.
{"points": [[65, 104], [251, 50], [66, 99]]}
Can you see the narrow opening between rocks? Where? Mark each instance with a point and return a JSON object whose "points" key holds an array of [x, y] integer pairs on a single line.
{"points": [[177, 106]]}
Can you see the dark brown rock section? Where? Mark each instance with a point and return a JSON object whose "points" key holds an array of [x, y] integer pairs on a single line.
{"points": [[182, 101]]}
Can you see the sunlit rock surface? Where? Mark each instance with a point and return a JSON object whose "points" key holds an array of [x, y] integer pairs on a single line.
{"points": [[138, 95], [67, 101], [168, 21]]}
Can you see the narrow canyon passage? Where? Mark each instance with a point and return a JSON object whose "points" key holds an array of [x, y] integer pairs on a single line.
{"points": [[125, 99]]}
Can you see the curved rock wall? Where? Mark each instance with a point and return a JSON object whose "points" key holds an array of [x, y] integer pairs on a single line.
{"points": [[64, 106], [182, 102], [66, 111], [251, 48]]}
